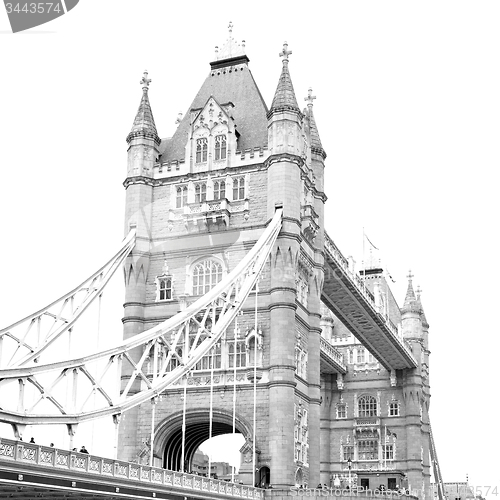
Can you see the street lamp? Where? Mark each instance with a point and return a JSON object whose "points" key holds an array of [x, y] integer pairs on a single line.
{"points": [[349, 465]]}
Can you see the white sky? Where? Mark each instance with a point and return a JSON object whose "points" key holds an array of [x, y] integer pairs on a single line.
{"points": [[407, 107]]}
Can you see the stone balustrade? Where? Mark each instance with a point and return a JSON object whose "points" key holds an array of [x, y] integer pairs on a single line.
{"points": [[64, 460]]}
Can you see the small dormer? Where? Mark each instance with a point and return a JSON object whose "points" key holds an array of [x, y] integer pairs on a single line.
{"points": [[212, 138]]}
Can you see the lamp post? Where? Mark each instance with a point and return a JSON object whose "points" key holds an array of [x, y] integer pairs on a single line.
{"points": [[349, 465]]}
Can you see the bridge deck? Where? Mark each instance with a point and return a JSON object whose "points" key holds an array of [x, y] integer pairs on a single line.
{"points": [[344, 294], [31, 471]]}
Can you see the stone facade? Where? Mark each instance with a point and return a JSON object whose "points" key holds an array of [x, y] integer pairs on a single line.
{"points": [[199, 201]]}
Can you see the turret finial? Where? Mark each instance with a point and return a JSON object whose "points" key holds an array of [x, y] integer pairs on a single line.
{"points": [[230, 27], [409, 275], [145, 81], [285, 52], [310, 98]]}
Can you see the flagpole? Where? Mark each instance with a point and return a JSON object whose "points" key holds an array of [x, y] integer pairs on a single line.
{"points": [[363, 261]]}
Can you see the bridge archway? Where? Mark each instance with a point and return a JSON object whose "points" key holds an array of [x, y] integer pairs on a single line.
{"points": [[168, 435]]}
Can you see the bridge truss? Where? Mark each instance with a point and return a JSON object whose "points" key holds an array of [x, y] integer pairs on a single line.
{"points": [[153, 359]]}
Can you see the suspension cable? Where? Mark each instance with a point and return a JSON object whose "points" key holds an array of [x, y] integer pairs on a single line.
{"points": [[235, 343], [211, 410], [254, 383]]}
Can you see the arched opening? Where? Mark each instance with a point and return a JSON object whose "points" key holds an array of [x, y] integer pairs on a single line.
{"points": [[299, 481], [263, 477], [168, 440]]}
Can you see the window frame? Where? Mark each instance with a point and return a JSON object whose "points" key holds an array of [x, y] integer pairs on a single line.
{"points": [[367, 406], [201, 150], [220, 147], [200, 285]]}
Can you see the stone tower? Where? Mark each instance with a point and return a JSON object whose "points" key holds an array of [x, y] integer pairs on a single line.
{"points": [[200, 200]]}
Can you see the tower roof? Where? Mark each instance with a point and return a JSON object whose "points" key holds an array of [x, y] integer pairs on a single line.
{"points": [[144, 122], [411, 303], [315, 140], [284, 97], [419, 301], [229, 81]]}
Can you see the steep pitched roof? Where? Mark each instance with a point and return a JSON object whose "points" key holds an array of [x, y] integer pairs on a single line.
{"points": [[144, 121], [313, 128], [284, 97], [411, 303], [228, 81]]}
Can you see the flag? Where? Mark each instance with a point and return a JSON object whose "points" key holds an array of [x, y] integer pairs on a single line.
{"points": [[369, 241]]}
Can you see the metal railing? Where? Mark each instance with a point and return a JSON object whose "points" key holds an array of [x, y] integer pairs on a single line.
{"points": [[57, 459]]}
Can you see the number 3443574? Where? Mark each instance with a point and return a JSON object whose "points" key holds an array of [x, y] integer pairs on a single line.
{"points": [[34, 7]]}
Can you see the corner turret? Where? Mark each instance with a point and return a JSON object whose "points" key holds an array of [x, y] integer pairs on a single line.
{"points": [[285, 118], [143, 139]]}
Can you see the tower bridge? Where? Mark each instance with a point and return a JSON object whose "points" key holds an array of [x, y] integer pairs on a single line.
{"points": [[241, 316]]}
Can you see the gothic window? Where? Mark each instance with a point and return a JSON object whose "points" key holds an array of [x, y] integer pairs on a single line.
{"points": [[200, 192], [206, 275], [219, 190], [361, 355], [209, 361], [367, 406], [201, 150], [237, 355], [368, 449], [164, 288], [341, 411], [371, 359], [181, 196], [220, 147], [347, 452], [394, 409], [388, 452], [239, 188], [351, 356]]}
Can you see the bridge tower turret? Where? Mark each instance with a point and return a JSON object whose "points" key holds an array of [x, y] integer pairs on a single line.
{"points": [[143, 150], [286, 142], [416, 393]]}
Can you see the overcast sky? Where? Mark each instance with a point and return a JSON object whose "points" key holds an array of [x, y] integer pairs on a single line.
{"points": [[407, 108]]}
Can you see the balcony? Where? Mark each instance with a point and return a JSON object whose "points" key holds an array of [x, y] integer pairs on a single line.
{"points": [[332, 360], [214, 214]]}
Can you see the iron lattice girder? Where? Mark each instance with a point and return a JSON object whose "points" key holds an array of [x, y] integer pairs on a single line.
{"points": [[353, 306], [29, 337], [208, 317]]}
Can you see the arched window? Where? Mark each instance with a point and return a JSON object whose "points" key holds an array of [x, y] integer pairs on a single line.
{"points": [[206, 275], [220, 147], [361, 355], [182, 196], [200, 192], [165, 288], [201, 150], [367, 406], [219, 190], [239, 188]]}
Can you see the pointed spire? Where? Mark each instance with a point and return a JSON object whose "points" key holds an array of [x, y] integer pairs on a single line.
{"points": [[284, 97], [316, 145], [411, 303], [419, 302], [144, 122]]}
